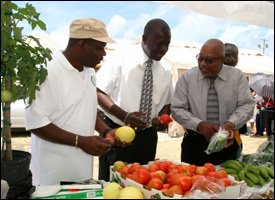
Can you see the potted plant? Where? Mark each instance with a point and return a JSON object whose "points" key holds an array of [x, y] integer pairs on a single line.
{"points": [[23, 70]]}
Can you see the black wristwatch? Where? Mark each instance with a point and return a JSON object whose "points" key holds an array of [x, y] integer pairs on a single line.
{"points": [[103, 133]]}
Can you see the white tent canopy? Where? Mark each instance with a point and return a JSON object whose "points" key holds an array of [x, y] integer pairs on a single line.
{"points": [[259, 13], [182, 56]]}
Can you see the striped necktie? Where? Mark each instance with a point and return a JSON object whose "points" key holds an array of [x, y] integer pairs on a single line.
{"points": [[212, 108], [147, 92]]}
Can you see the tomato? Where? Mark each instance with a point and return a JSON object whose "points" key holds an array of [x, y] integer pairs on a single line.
{"points": [[197, 178], [185, 182], [166, 185], [226, 181], [155, 175], [210, 167], [165, 119], [155, 183], [174, 179], [163, 166], [212, 174], [133, 167], [201, 170], [162, 175], [153, 167], [221, 173], [143, 176], [123, 170], [176, 189]]}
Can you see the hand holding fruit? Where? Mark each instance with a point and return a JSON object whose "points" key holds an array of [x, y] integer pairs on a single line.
{"points": [[161, 122], [126, 134], [133, 119], [165, 119]]}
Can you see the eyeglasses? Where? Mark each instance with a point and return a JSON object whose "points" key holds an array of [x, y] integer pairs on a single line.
{"points": [[207, 60]]}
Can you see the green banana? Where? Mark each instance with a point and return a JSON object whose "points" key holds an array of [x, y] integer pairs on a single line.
{"points": [[253, 169], [242, 174], [249, 182], [234, 164], [269, 171], [252, 177], [264, 173], [236, 177], [231, 171], [262, 181]]}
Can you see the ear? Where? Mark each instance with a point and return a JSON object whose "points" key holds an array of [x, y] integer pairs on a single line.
{"points": [[144, 38]]}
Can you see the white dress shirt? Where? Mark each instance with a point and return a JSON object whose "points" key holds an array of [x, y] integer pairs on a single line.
{"points": [[121, 77], [67, 99]]}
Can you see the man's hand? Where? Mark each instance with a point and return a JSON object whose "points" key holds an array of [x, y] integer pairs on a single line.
{"points": [[207, 129], [94, 145], [133, 120], [229, 126], [158, 125]]}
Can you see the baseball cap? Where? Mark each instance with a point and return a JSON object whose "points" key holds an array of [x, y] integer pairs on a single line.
{"points": [[90, 28]]}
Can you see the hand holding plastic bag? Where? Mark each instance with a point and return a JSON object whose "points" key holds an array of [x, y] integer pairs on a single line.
{"points": [[218, 141]]}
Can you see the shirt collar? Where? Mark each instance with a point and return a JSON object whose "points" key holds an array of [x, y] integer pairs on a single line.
{"points": [[221, 75]]}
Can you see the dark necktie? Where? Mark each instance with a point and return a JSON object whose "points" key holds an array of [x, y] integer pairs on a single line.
{"points": [[147, 92], [212, 108]]}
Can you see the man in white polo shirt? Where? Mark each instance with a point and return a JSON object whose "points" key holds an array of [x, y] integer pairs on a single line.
{"points": [[63, 116]]}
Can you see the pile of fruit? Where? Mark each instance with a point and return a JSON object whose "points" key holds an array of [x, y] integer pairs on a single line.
{"points": [[171, 178], [115, 191], [251, 174]]}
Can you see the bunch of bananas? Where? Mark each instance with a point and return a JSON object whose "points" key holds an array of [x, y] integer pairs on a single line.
{"points": [[252, 175]]}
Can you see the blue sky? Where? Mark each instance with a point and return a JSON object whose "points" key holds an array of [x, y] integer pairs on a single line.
{"points": [[126, 20]]}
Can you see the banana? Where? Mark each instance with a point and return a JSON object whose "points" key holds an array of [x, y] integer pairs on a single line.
{"points": [[231, 171], [262, 181], [270, 171], [253, 169], [249, 182], [236, 177], [242, 174], [252, 177], [264, 173], [234, 164]]}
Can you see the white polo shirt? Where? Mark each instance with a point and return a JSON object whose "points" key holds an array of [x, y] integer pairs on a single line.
{"points": [[121, 77], [67, 99]]}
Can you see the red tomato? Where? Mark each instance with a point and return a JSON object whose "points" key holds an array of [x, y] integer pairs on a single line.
{"points": [[166, 185], [201, 170], [174, 179], [212, 174], [226, 181], [163, 166], [155, 183], [123, 170], [176, 189], [210, 167], [143, 176], [153, 167], [185, 182], [165, 119], [221, 173], [155, 175], [197, 178], [133, 167]]}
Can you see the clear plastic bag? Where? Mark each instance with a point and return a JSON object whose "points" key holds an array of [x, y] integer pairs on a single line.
{"points": [[218, 141]]}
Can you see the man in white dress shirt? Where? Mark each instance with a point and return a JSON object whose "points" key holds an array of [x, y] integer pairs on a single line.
{"points": [[63, 116], [124, 85]]}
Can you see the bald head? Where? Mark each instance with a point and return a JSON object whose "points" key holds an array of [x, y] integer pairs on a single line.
{"points": [[215, 46], [156, 25], [211, 57], [156, 39]]}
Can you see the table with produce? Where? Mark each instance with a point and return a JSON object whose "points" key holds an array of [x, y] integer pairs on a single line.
{"points": [[249, 177]]}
